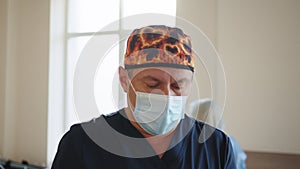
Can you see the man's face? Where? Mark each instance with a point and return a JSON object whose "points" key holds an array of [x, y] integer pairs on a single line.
{"points": [[164, 81]]}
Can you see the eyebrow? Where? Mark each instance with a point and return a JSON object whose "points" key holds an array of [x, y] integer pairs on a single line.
{"points": [[149, 77]]}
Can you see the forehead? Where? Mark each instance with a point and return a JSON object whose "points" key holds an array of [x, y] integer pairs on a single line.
{"points": [[161, 73]]}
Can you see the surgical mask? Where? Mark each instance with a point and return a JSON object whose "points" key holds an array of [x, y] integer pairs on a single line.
{"points": [[158, 114]]}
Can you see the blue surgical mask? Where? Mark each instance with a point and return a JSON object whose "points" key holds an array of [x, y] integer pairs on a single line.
{"points": [[158, 114]]}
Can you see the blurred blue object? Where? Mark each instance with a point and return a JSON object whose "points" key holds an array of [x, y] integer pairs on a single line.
{"points": [[239, 154], [210, 113]]}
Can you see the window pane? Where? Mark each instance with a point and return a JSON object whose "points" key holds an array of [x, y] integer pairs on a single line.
{"points": [[91, 15], [106, 83], [75, 46], [106, 86], [133, 7]]}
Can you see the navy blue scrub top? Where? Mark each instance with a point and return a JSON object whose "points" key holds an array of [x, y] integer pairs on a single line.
{"points": [[78, 151]]}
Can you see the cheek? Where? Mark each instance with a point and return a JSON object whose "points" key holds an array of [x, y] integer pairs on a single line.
{"points": [[131, 97]]}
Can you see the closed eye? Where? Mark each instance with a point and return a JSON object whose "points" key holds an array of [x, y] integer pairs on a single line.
{"points": [[177, 86], [152, 85], [151, 82]]}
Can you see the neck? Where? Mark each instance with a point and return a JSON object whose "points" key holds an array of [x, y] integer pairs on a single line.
{"points": [[159, 143]]}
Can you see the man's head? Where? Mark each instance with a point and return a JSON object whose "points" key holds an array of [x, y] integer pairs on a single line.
{"points": [[158, 60]]}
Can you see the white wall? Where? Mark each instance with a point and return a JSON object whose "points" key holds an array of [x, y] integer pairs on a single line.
{"points": [[259, 43], [26, 80]]}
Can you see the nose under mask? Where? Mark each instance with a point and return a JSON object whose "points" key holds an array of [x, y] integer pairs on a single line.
{"points": [[158, 114]]}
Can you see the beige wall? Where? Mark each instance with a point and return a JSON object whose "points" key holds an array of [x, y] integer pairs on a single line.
{"points": [[259, 43], [202, 13], [3, 15], [8, 121], [26, 80]]}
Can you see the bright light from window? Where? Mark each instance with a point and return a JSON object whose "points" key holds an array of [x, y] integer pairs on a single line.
{"points": [[133, 7], [75, 46], [91, 15], [105, 86]]}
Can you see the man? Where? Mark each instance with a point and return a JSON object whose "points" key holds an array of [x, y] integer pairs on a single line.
{"points": [[153, 131]]}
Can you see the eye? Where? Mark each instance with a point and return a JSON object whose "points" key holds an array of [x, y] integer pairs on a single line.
{"points": [[152, 86]]}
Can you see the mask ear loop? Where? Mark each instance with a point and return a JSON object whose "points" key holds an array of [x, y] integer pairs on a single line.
{"points": [[136, 95], [129, 81], [130, 84]]}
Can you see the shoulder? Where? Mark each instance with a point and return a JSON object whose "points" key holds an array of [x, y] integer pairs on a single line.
{"points": [[210, 134], [72, 146], [216, 142], [69, 148], [77, 132], [72, 139]]}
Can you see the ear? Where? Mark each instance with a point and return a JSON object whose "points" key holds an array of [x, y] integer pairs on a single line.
{"points": [[123, 78]]}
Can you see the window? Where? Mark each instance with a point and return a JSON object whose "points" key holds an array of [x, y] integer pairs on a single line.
{"points": [[73, 23]]}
